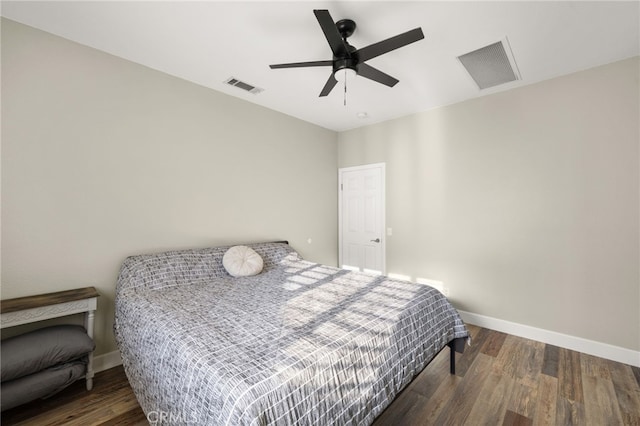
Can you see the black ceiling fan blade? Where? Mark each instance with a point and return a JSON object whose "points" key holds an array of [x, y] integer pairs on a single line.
{"points": [[329, 85], [375, 74], [389, 44], [330, 31], [302, 64]]}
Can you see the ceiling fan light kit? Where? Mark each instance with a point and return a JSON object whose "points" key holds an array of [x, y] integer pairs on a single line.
{"points": [[345, 74], [347, 61]]}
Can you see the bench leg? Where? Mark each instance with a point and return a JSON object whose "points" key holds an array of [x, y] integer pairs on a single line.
{"points": [[88, 325]]}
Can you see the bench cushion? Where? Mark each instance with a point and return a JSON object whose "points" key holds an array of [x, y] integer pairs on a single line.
{"points": [[40, 349], [42, 384]]}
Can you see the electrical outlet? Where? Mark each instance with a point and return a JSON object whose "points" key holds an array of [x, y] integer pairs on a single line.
{"points": [[445, 291]]}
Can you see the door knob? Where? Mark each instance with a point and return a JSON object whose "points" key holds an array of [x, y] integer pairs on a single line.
{"points": [[377, 240]]}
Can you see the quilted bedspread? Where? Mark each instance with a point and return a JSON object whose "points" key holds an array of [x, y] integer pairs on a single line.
{"points": [[301, 343]]}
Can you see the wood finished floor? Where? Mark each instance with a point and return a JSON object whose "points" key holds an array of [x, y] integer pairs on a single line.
{"points": [[500, 380]]}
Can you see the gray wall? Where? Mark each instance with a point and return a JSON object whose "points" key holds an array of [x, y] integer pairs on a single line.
{"points": [[103, 158], [524, 203]]}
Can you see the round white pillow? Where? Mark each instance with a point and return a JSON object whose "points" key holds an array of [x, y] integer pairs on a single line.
{"points": [[242, 261]]}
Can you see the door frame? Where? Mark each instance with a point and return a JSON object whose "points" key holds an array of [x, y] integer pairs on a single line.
{"points": [[383, 225]]}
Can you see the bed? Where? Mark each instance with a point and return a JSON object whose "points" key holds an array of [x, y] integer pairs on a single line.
{"points": [[300, 343]]}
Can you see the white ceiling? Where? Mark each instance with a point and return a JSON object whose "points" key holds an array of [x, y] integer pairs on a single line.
{"points": [[207, 42]]}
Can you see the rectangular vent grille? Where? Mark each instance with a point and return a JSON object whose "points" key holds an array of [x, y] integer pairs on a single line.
{"points": [[244, 86], [491, 65]]}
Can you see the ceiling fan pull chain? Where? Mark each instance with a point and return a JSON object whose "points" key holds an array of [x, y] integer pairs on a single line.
{"points": [[345, 87]]}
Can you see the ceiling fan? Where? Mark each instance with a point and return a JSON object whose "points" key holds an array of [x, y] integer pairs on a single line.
{"points": [[349, 60]]}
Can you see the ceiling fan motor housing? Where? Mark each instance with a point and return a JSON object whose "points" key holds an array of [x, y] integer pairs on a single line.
{"points": [[342, 63], [348, 59]]}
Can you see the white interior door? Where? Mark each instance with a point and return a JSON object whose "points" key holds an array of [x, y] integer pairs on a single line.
{"points": [[361, 222]]}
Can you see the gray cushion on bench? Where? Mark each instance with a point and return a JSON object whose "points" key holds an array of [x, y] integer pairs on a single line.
{"points": [[40, 349], [41, 384]]}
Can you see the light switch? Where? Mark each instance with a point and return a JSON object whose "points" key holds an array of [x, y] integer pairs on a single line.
{"points": [[389, 232]]}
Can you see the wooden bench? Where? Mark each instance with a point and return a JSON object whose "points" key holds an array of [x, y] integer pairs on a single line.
{"points": [[24, 310]]}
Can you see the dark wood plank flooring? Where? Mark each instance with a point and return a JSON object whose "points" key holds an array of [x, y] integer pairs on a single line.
{"points": [[500, 380]]}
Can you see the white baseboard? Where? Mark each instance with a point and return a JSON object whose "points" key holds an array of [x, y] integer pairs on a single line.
{"points": [[106, 361], [602, 350]]}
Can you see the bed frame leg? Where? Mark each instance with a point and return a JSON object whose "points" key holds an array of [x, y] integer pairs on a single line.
{"points": [[452, 358], [456, 345]]}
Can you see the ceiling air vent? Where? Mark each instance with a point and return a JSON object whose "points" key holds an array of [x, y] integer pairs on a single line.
{"points": [[491, 65], [242, 85]]}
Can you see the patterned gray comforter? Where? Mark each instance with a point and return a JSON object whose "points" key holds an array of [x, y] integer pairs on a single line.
{"points": [[300, 343]]}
